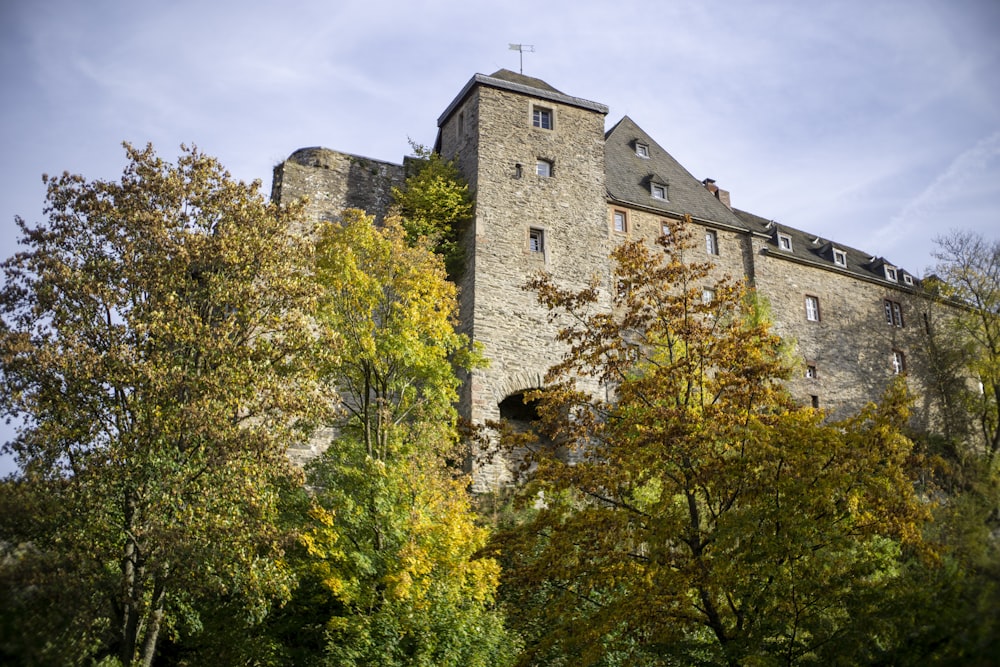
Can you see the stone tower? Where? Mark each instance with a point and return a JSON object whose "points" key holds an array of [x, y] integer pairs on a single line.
{"points": [[534, 157]]}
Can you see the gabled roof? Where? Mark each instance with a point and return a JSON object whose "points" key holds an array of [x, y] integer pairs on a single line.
{"points": [[518, 83], [811, 249], [628, 177]]}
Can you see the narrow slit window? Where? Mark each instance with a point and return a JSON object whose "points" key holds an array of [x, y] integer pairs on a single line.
{"points": [[898, 362]]}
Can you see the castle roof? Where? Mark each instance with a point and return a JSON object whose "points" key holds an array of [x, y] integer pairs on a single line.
{"points": [[629, 177], [518, 83], [806, 248]]}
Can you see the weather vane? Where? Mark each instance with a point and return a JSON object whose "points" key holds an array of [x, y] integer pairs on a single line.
{"points": [[521, 48]]}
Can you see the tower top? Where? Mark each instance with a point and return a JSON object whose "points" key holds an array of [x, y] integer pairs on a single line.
{"points": [[505, 79]]}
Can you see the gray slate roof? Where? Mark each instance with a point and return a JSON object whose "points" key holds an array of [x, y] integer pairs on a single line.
{"points": [[628, 177], [811, 249]]}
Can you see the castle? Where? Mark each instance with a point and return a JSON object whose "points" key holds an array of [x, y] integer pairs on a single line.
{"points": [[555, 191]]}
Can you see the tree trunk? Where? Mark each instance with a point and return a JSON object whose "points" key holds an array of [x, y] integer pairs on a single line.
{"points": [[153, 626], [130, 601]]}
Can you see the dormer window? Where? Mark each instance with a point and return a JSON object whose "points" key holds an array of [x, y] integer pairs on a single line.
{"points": [[658, 190], [840, 258], [908, 279], [890, 273], [642, 150], [785, 242]]}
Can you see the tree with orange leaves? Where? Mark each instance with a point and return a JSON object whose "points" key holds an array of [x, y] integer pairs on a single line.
{"points": [[701, 516]]}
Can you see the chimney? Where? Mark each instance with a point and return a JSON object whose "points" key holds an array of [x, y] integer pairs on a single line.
{"points": [[720, 194]]}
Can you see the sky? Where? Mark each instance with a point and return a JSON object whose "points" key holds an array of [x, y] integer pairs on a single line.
{"points": [[872, 122]]}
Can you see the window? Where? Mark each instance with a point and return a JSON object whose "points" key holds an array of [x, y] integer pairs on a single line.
{"points": [[908, 279], [898, 362], [642, 150], [518, 170], [811, 372], [812, 308], [893, 313], [541, 118], [665, 228], [658, 191], [711, 243], [840, 258], [461, 124], [620, 223], [890, 273], [543, 168], [707, 295], [815, 401], [785, 242], [536, 240]]}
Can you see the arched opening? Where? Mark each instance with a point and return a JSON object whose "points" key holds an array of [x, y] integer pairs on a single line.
{"points": [[517, 412]]}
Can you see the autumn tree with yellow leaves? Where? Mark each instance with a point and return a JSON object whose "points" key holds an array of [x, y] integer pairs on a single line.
{"points": [[392, 548]]}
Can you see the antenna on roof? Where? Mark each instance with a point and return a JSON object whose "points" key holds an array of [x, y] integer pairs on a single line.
{"points": [[521, 48]]}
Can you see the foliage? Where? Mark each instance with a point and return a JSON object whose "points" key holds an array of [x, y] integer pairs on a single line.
{"points": [[156, 347], [962, 343], [704, 518], [435, 203], [391, 546], [969, 272]]}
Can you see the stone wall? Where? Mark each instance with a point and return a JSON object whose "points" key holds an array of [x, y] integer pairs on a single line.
{"points": [[851, 345], [333, 181]]}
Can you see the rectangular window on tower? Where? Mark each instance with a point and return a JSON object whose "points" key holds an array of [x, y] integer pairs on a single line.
{"points": [[541, 118], [536, 240]]}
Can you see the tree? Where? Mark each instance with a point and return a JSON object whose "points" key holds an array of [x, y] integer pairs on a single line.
{"points": [[435, 203], [969, 272], [391, 549], [156, 346], [701, 517]]}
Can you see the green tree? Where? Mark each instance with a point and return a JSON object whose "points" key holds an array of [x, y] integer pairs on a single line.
{"points": [[156, 346], [968, 270], [435, 204], [393, 540], [962, 342], [702, 518]]}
